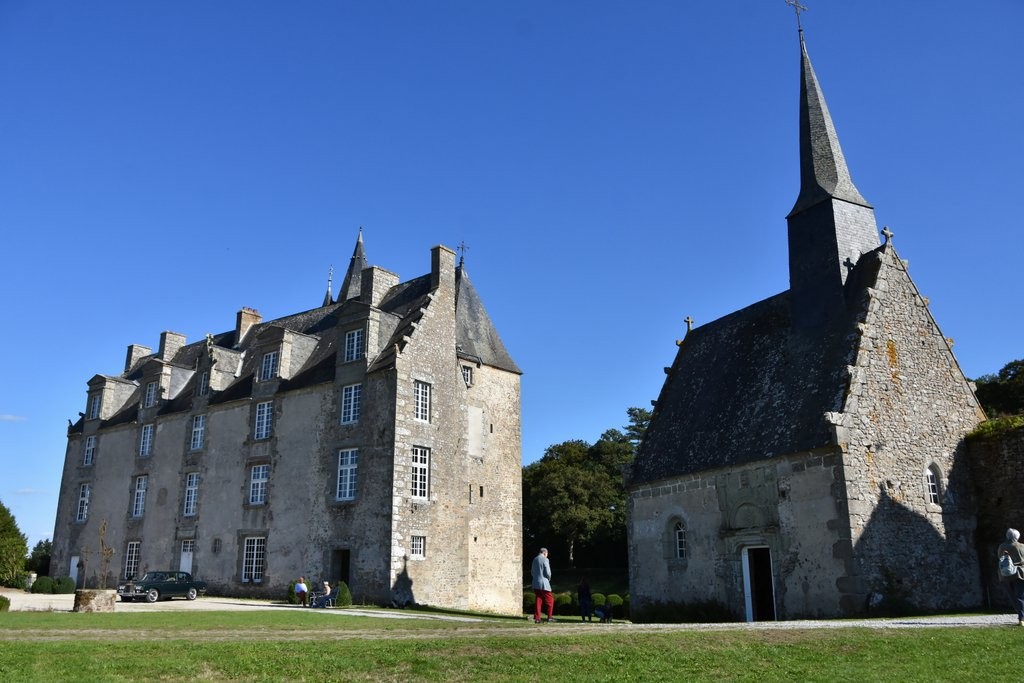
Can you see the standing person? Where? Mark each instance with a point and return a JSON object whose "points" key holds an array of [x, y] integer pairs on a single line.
{"points": [[541, 573], [586, 605], [1015, 584], [301, 590]]}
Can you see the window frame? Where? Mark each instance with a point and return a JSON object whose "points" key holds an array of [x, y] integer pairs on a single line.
{"points": [[88, 450], [84, 495], [679, 540], [420, 473], [351, 403], [204, 383], [347, 482], [149, 400], [95, 406], [421, 400], [146, 437], [269, 366], [132, 551], [355, 344], [190, 499], [263, 424], [139, 496], [420, 552], [258, 484], [198, 440], [467, 375], [254, 555], [933, 485]]}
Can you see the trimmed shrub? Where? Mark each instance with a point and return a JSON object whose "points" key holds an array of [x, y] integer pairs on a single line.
{"points": [[5, 603], [598, 599], [615, 602], [64, 584], [529, 600], [563, 604], [290, 598], [344, 598], [705, 612], [43, 584]]}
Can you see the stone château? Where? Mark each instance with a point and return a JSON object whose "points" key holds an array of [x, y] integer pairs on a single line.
{"points": [[374, 440]]}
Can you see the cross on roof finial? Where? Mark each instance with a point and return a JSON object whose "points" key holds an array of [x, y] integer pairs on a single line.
{"points": [[798, 8], [888, 234], [330, 276], [689, 323], [463, 248]]}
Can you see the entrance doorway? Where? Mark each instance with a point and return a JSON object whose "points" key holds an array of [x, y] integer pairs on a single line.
{"points": [[188, 547], [73, 569], [758, 584], [340, 560]]}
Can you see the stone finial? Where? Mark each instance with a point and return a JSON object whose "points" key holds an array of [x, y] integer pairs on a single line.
{"points": [[888, 234]]}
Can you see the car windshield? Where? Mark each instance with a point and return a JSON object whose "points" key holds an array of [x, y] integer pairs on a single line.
{"points": [[154, 576]]}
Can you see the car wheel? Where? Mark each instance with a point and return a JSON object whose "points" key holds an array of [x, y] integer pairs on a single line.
{"points": [[191, 594], [152, 595]]}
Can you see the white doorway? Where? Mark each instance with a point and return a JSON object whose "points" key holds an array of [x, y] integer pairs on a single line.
{"points": [[758, 584], [188, 547], [73, 569]]}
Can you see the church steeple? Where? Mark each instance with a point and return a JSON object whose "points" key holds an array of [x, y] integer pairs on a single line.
{"points": [[328, 297], [823, 171], [351, 285], [831, 225]]}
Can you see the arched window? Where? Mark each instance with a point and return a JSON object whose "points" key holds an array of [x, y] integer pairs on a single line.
{"points": [[679, 537], [932, 484]]}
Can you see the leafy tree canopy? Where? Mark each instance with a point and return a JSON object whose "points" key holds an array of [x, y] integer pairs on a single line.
{"points": [[1003, 394], [39, 560], [13, 548]]}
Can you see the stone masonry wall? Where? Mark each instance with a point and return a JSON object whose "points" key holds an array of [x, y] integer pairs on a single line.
{"points": [[907, 410]]}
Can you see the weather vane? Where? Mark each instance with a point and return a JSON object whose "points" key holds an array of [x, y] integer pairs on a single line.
{"points": [[463, 248], [798, 8]]}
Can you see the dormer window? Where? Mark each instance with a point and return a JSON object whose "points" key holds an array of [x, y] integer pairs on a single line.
{"points": [[467, 375], [95, 402], [150, 398], [268, 368], [355, 345], [204, 383]]}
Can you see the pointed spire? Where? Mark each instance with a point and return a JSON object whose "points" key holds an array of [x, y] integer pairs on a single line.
{"points": [[350, 286], [328, 298], [823, 171]]}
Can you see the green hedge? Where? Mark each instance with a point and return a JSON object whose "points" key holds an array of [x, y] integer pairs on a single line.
{"points": [[5, 603], [43, 584], [344, 598], [64, 584]]}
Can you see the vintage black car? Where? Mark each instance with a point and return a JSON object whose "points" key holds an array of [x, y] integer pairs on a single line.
{"points": [[158, 585]]}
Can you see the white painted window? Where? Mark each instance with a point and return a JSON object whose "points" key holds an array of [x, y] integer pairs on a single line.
{"points": [[131, 559], [420, 472], [467, 375], [932, 479], [348, 462], [679, 540], [198, 432], [95, 402], [418, 547], [351, 400], [253, 556], [421, 391], [268, 369], [355, 345], [150, 399], [83, 502], [191, 494], [88, 450], [146, 441], [139, 496], [264, 420], [258, 484], [204, 383]]}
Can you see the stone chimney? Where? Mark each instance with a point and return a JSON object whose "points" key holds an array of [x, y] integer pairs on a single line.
{"points": [[135, 353], [375, 282], [442, 268], [247, 317], [170, 342]]}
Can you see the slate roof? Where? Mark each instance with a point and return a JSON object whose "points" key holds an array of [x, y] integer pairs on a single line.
{"points": [[475, 334], [747, 387]]}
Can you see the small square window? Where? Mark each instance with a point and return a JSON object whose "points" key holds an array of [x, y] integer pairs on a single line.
{"points": [[418, 547], [467, 375]]}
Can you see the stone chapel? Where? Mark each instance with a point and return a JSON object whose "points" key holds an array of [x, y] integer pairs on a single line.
{"points": [[373, 439], [806, 455]]}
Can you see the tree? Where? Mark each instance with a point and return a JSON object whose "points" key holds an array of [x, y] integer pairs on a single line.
{"points": [[39, 560], [1003, 393], [574, 498], [13, 549]]}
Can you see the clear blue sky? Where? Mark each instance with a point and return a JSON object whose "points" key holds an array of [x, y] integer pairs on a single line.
{"points": [[614, 167]]}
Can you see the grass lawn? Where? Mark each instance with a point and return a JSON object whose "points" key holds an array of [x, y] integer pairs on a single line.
{"points": [[300, 645]]}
